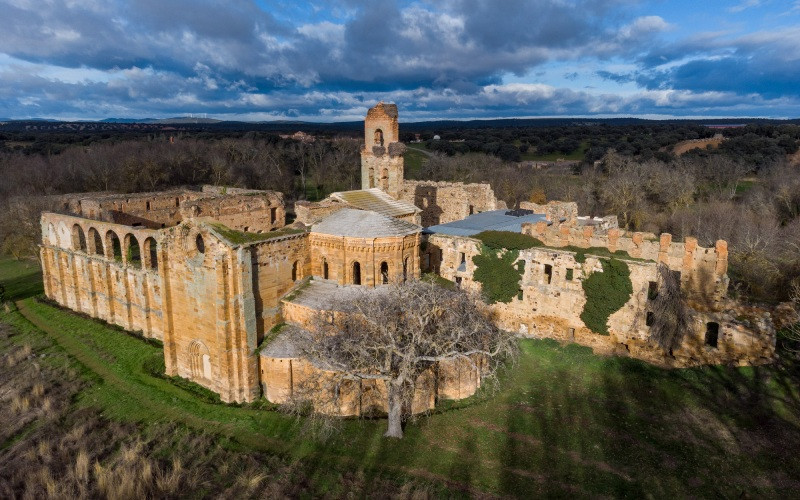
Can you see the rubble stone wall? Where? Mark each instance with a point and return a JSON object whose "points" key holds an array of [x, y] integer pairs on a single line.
{"points": [[551, 301], [443, 202], [703, 271]]}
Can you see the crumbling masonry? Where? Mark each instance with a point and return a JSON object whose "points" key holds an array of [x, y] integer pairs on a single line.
{"points": [[211, 271]]}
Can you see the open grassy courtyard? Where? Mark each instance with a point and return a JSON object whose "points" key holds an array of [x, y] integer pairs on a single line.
{"points": [[563, 422]]}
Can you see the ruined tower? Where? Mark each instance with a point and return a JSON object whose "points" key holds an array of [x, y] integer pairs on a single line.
{"points": [[382, 153]]}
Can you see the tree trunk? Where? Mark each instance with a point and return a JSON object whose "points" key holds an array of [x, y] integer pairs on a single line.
{"points": [[395, 429]]}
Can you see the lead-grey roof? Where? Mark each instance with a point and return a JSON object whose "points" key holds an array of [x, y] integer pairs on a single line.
{"points": [[375, 200], [363, 224], [493, 220]]}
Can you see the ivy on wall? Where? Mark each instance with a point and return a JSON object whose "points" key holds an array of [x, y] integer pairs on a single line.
{"points": [[606, 293], [497, 274]]}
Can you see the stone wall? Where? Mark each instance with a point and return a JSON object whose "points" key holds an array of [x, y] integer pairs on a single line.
{"points": [[334, 258], [310, 213], [551, 301], [279, 264], [84, 275], [251, 211], [565, 212], [703, 271], [210, 311], [382, 153], [443, 202]]}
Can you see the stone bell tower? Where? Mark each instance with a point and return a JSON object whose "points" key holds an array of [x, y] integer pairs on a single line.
{"points": [[382, 153]]}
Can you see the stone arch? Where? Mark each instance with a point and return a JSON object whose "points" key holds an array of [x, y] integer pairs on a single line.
{"points": [[356, 273], [384, 273], [712, 334], [371, 177], [405, 269], [200, 243], [113, 247], [95, 242], [378, 137], [150, 254], [133, 252], [199, 360], [324, 268], [295, 271], [78, 238]]}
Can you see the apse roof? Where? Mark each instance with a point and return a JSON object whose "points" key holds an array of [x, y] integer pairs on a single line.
{"points": [[363, 224]]}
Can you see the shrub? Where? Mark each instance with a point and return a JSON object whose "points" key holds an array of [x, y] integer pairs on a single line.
{"points": [[606, 293], [497, 274], [497, 240]]}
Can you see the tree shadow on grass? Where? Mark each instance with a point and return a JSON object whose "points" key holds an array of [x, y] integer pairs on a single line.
{"points": [[26, 284]]}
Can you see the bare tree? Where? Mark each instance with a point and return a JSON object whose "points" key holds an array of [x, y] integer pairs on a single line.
{"points": [[398, 331], [670, 317]]}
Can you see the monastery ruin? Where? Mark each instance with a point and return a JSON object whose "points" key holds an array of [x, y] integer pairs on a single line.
{"points": [[214, 272]]}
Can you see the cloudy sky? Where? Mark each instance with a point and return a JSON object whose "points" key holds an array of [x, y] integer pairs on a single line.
{"points": [[330, 60]]}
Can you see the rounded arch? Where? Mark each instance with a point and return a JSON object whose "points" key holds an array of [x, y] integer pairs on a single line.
{"points": [[95, 242], [150, 254], [356, 273], [199, 243], [378, 137], [324, 268], [384, 181], [384, 273], [113, 247], [78, 238], [405, 269], [133, 252], [295, 271], [199, 360]]}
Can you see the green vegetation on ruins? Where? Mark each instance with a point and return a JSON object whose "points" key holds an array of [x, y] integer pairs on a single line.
{"points": [[498, 274], [606, 293], [242, 238], [563, 422]]}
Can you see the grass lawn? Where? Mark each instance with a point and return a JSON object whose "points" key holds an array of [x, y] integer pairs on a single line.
{"points": [[563, 421]]}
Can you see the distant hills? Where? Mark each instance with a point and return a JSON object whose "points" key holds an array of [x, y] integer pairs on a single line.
{"points": [[194, 123]]}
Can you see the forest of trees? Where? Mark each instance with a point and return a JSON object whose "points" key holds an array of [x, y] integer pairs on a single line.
{"points": [[747, 191]]}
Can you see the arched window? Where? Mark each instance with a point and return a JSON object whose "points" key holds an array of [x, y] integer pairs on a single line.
{"points": [[199, 360], [97, 241], [150, 254], [384, 273], [405, 269], [133, 251], [356, 273], [378, 137], [78, 238], [113, 246], [371, 179], [324, 269], [294, 271], [200, 244]]}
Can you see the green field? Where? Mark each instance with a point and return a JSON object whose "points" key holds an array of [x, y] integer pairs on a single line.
{"points": [[414, 158], [563, 422]]}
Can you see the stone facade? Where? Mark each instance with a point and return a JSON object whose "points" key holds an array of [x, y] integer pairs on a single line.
{"points": [[210, 271], [382, 154], [551, 297]]}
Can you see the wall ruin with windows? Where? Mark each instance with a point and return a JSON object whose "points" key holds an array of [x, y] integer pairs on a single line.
{"points": [[551, 300], [443, 202]]}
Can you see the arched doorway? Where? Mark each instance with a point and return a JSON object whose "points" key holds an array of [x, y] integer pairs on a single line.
{"points": [[384, 273], [356, 273], [324, 269], [199, 360]]}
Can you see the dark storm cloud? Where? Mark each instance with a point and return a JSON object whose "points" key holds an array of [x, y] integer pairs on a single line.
{"points": [[448, 58]]}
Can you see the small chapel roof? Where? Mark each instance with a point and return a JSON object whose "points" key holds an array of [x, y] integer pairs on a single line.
{"points": [[364, 224], [375, 200]]}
